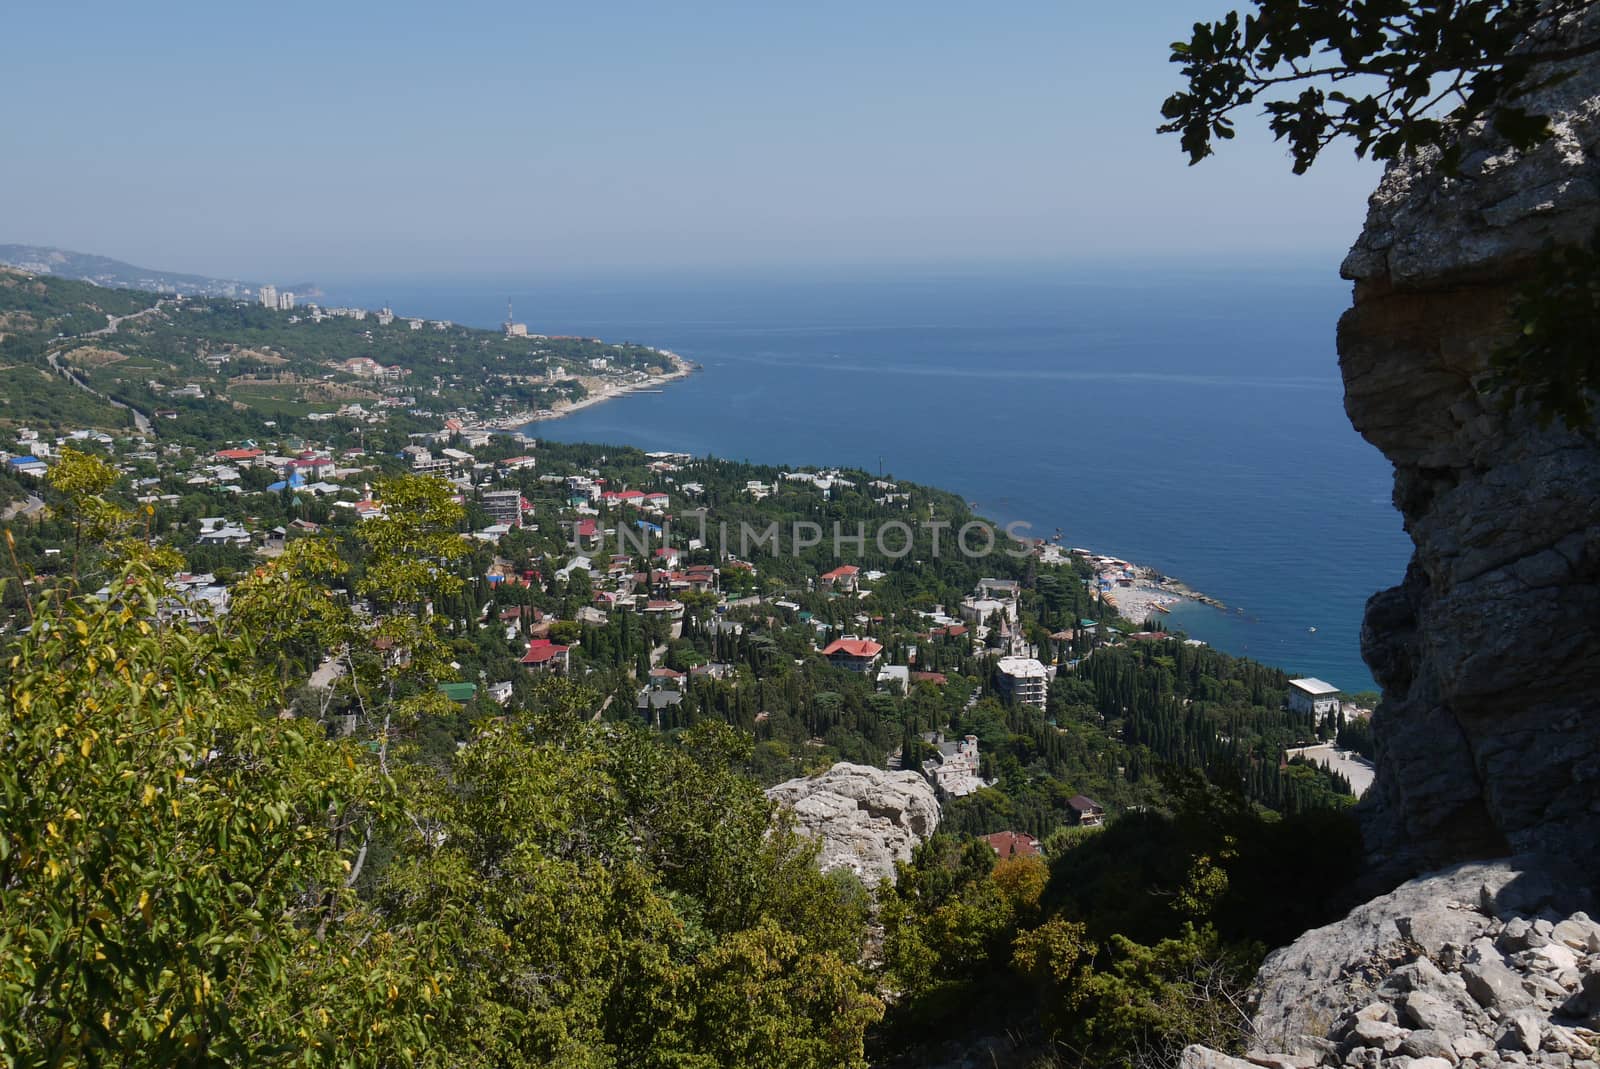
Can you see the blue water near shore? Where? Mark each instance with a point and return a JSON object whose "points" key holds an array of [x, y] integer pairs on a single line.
{"points": [[1188, 420]]}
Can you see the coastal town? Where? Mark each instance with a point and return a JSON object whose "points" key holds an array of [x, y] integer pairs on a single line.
{"points": [[636, 572]]}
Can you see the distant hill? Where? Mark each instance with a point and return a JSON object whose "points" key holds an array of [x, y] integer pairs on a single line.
{"points": [[104, 271]]}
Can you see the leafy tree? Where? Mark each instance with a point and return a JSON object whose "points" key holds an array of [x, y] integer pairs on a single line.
{"points": [[165, 860], [1418, 74]]}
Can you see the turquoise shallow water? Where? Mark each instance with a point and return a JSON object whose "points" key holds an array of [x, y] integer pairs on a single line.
{"points": [[1191, 421]]}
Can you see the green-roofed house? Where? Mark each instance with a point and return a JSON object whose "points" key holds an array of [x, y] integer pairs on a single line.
{"points": [[460, 693]]}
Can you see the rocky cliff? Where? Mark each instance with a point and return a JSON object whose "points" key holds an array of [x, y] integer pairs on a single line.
{"points": [[1484, 964], [1489, 651], [866, 818]]}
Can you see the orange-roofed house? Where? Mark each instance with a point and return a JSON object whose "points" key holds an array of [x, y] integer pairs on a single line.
{"points": [[1011, 844], [545, 656], [853, 654], [844, 579]]}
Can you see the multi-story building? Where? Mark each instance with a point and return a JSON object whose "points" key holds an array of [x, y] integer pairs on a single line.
{"points": [[504, 506], [1023, 680], [269, 296]]}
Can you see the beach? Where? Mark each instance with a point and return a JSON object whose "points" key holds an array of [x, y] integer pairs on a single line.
{"points": [[599, 390]]}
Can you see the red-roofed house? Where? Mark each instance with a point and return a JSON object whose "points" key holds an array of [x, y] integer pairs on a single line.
{"points": [[1010, 844], [545, 656], [853, 654], [843, 579], [242, 457]]}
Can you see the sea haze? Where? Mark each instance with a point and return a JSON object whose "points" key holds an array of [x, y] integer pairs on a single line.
{"points": [[1186, 419]]}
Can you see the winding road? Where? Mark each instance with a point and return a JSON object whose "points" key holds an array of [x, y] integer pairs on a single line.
{"points": [[140, 420]]}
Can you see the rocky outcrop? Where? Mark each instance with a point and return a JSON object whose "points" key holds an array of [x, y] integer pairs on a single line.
{"points": [[866, 818], [1483, 964], [1488, 736]]}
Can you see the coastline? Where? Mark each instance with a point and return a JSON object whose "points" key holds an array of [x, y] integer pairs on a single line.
{"points": [[681, 368], [1138, 592]]}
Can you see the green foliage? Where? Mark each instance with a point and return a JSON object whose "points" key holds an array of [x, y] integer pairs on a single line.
{"points": [[602, 900], [1417, 74], [166, 862]]}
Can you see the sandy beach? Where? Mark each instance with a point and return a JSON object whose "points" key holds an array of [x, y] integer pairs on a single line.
{"points": [[599, 390]]}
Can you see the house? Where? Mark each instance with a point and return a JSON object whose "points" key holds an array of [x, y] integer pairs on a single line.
{"points": [[653, 700], [216, 531], [955, 771], [546, 656], [1314, 698], [1022, 680], [892, 676], [853, 654], [844, 579], [28, 465], [1086, 811], [1011, 844]]}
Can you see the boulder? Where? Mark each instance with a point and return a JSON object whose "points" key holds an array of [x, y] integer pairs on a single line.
{"points": [[866, 818]]}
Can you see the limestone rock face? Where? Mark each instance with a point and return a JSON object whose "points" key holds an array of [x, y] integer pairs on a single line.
{"points": [[1482, 964], [1488, 737], [867, 818]]}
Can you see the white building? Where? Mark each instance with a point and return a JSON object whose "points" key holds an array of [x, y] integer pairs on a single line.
{"points": [[285, 301], [955, 773], [1314, 698], [1023, 680], [269, 296]]}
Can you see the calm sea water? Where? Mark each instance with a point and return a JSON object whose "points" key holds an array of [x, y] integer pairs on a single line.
{"points": [[1189, 420]]}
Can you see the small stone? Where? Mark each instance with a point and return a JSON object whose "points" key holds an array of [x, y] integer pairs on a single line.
{"points": [[1376, 1011], [1430, 1063], [1518, 934], [1198, 1057], [1553, 957], [1522, 1033], [1429, 1043], [1495, 986], [1577, 931], [1470, 1043], [1269, 1060], [1429, 1011], [1364, 1058], [1370, 1033]]}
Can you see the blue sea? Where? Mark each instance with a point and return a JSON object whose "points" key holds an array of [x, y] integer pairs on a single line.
{"points": [[1185, 418]]}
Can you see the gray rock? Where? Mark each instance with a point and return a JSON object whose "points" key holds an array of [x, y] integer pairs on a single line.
{"points": [[1484, 748], [1495, 986], [1578, 932], [1518, 934], [1304, 989], [867, 818], [1376, 1011], [1469, 1044], [1431, 1013], [1431, 1063], [1523, 1032], [1429, 1043], [1376, 1034], [1279, 1061], [1197, 1057]]}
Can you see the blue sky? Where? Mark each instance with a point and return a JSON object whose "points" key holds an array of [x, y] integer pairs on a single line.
{"points": [[300, 140]]}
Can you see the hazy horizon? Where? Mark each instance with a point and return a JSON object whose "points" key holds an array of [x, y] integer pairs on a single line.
{"points": [[299, 143]]}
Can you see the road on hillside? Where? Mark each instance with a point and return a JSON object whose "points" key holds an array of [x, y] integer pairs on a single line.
{"points": [[140, 420]]}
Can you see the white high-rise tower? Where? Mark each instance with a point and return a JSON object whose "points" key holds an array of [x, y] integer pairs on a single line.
{"points": [[269, 296]]}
